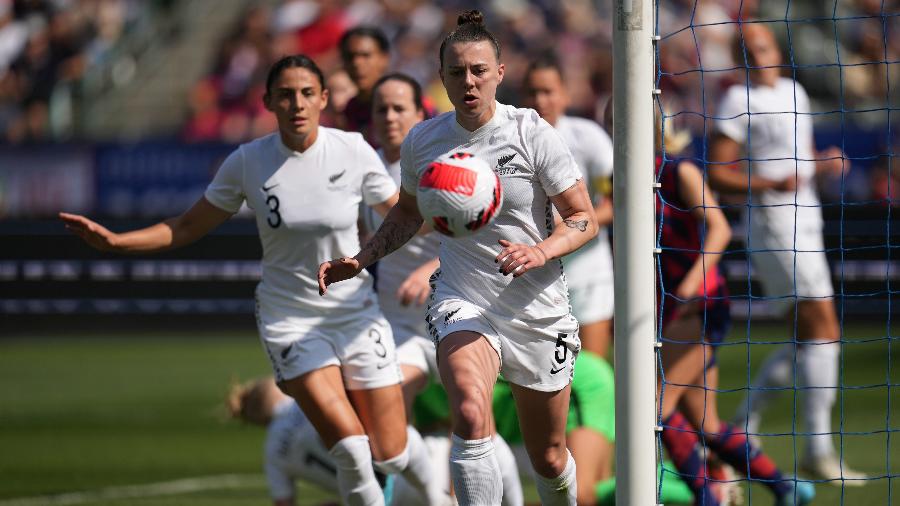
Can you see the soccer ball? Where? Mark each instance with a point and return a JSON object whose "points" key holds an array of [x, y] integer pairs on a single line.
{"points": [[458, 194]]}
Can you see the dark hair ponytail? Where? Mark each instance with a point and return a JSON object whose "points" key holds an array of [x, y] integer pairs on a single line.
{"points": [[470, 28]]}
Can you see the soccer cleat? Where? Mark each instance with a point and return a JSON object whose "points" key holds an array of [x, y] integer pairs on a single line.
{"points": [[833, 470], [801, 493]]}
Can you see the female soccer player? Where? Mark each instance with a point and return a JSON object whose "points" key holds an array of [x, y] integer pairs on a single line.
{"points": [[404, 275], [770, 117], [293, 450], [403, 286], [335, 354], [695, 314], [589, 271], [490, 311]]}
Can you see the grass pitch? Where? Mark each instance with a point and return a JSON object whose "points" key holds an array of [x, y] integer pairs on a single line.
{"points": [[137, 419]]}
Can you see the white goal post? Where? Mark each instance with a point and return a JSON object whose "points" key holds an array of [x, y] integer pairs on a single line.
{"points": [[635, 293]]}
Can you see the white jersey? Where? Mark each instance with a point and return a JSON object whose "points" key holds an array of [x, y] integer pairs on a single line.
{"points": [[294, 451], [533, 163], [593, 152], [306, 207], [778, 135]]}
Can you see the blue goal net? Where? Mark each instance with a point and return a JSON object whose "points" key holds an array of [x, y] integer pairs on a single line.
{"points": [[777, 230]]}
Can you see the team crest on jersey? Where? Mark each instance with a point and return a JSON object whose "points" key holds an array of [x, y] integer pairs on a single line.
{"points": [[502, 169], [338, 180]]}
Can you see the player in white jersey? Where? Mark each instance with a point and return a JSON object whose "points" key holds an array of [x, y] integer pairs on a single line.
{"points": [[293, 450], [769, 117], [404, 276], [334, 355], [491, 311], [589, 271]]}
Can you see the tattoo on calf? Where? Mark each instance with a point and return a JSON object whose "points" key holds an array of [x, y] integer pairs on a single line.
{"points": [[581, 225]]}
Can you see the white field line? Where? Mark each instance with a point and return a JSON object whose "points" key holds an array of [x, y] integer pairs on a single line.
{"points": [[175, 487]]}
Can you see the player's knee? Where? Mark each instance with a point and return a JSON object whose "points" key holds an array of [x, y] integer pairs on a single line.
{"points": [[551, 461], [471, 417]]}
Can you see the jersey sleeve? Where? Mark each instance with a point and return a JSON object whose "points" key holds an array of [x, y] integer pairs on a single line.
{"points": [[554, 164], [226, 191], [409, 179], [377, 184], [732, 114]]}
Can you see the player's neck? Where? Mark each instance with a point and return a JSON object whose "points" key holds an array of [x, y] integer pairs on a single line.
{"points": [[474, 122], [297, 143]]}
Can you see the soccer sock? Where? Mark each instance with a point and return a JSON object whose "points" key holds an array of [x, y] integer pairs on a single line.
{"points": [[475, 472], [509, 473], [817, 369], [559, 491], [681, 441], [415, 466], [733, 447], [776, 371], [356, 481]]}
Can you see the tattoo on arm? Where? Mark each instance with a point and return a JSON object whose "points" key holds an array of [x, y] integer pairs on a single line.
{"points": [[581, 225], [390, 236]]}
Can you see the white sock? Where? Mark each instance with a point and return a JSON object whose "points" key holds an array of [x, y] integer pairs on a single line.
{"points": [[776, 371], [817, 366], [475, 472], [509, 473], [357, 485], [559, 491], [414, 464]]}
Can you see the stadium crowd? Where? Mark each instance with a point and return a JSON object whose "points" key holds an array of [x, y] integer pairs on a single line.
{"points": [[47, 46]]}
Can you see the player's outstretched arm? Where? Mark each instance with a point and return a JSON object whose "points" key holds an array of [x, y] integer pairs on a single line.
{"points": [[173, 233], [579, 225], [400, 225]]}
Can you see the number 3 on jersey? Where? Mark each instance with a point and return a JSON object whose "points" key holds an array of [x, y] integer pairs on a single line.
{"points": [[274, 217]]}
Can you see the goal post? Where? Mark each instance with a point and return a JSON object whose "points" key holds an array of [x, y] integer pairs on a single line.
{"points": [[635, 293]]}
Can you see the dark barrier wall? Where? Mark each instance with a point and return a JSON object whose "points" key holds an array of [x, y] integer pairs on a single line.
{"points": [[46, 271]]}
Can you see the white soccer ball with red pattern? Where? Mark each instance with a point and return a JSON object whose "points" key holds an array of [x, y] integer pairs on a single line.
{"points": [[459, 194]]}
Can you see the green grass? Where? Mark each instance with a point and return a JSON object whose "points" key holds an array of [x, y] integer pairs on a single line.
{"points": [[83, 413]]}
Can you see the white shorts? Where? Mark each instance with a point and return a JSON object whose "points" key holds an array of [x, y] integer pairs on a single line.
{"points": [[408, 325], [360, 343], [592, 302], [539, 355], [589, 276], [786, 270]]}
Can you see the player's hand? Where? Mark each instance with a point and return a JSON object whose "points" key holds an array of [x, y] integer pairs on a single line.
{"points": [[415, 289], [831, 162], [93, 233], [517, 259], [337, 270], [686, 293]]}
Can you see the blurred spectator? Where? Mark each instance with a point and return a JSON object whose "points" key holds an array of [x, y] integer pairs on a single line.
{"points": [[340, 90], [365, 51], [45, 48]]}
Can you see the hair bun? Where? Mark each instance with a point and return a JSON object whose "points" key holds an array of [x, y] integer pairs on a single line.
{"points": [[473, 16]]}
